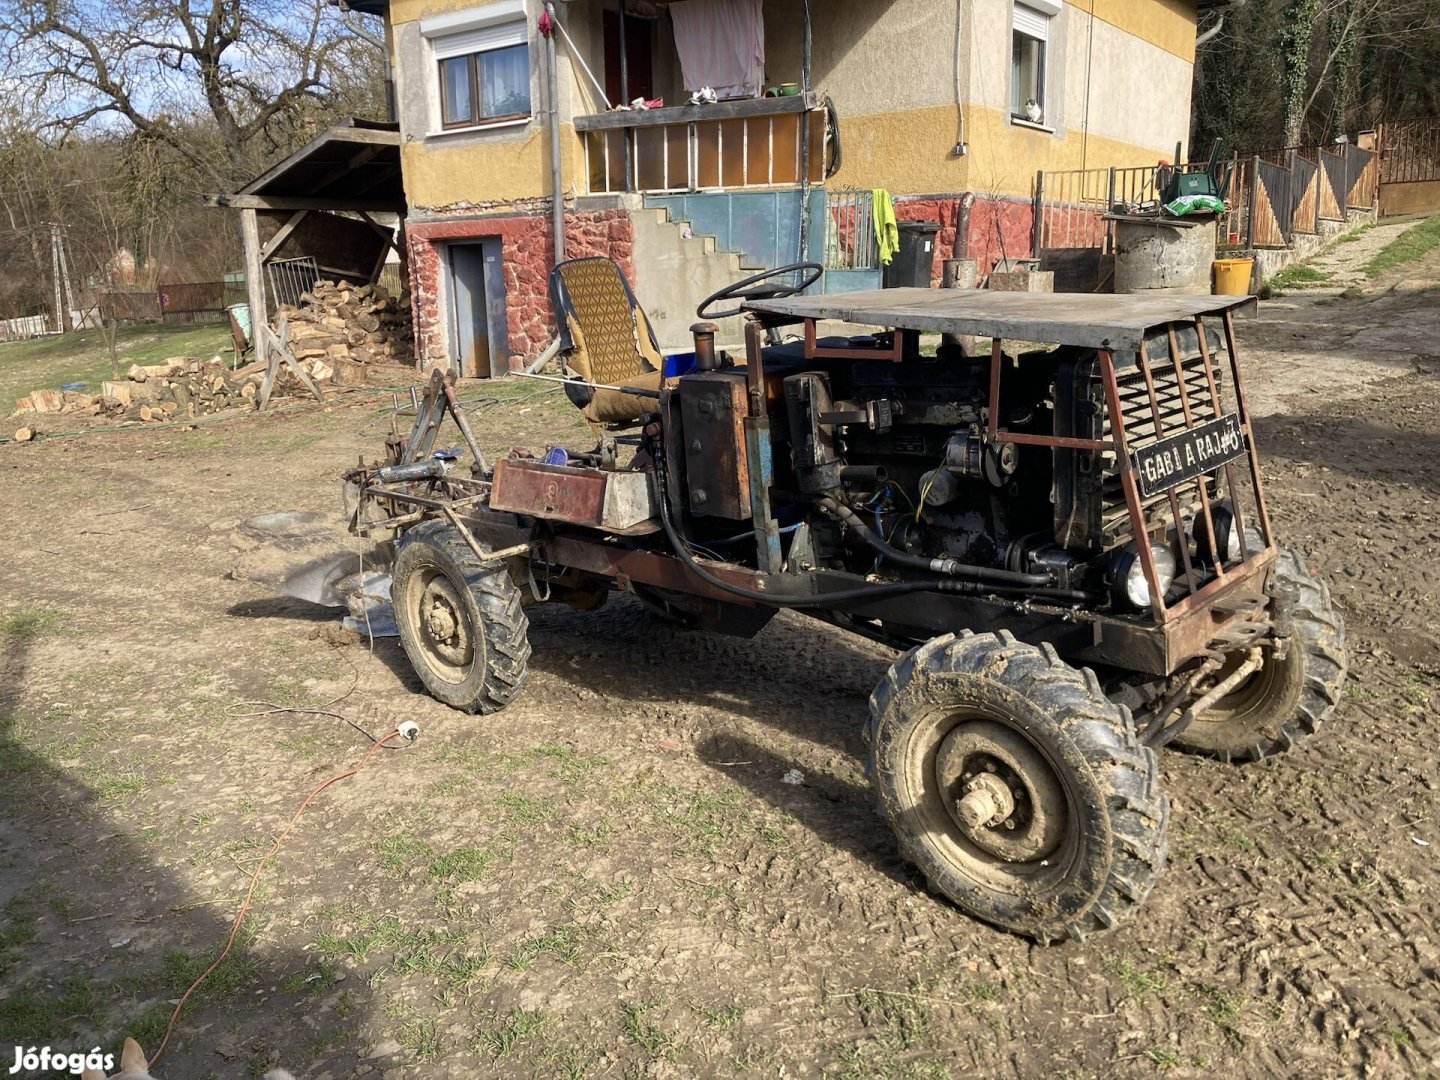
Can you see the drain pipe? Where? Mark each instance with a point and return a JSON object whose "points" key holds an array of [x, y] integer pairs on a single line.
{"points": [[552, 90]]}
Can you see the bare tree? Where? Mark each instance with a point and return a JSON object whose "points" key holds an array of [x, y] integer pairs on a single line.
{"points": [[253, 68]]}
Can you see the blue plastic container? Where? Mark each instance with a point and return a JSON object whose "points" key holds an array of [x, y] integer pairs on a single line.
{"points": [[677, 364]]}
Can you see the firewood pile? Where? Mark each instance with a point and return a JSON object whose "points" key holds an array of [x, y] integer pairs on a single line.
{"points": [[341, 328], [179, 388]]}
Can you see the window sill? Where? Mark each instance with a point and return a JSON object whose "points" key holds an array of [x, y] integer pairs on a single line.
{"points": [[472, 129], [1020, 121]]}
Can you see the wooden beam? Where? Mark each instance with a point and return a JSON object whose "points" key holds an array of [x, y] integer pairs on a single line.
{"points": [[295, 202], [343, 134], [255, 284], [353, 163], [388, 235], [282, 234]]}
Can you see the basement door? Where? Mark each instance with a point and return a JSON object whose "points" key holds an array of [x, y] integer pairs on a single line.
{"points": [[480, 343]]}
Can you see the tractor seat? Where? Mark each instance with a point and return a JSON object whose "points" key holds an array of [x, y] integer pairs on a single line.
{"points": [[605, 337]]}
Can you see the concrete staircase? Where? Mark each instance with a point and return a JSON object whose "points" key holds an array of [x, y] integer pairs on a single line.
{"points": [[675, 271]]}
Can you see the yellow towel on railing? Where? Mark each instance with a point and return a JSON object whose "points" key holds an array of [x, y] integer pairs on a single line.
{"points": [[887, 232]]}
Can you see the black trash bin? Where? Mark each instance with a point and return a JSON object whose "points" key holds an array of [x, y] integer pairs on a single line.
{"points": [[910, 268]]}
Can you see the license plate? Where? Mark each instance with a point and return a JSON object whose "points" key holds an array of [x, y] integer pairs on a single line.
{"points": [[1185, 455]]}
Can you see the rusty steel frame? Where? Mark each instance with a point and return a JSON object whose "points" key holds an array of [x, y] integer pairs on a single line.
{"points": [[814, 351], [1225, 579]]}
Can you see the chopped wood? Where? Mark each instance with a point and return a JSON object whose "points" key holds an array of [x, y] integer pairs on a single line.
{"points": [[24, 434]]}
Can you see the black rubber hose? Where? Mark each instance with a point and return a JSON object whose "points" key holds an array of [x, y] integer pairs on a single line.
{"points": [[868, 592], [950, 567]]}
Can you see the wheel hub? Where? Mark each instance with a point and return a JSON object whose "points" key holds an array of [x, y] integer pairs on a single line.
{"points": [[1002, 794], [443, 621]]}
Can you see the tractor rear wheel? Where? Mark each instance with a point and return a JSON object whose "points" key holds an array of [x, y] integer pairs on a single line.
{"points": [[1289, 697], [460, 620], [1016, 786]]}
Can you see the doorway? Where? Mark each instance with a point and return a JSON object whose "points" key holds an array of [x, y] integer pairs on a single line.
{"points": [[481, 346], [639, 56]]}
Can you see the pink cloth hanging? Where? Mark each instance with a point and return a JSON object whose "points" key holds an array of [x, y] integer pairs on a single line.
{"points": [[721, 45]]}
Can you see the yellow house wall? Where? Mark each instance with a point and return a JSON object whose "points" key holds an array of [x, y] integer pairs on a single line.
{"points": [[892, 68]]}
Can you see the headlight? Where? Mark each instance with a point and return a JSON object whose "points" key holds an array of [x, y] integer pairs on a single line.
{"points": [[1227, 536], [1131, 588]]}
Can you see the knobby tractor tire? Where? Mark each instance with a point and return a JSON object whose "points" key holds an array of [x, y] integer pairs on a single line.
{"points": [[437, 584], [1286, 700], [1108, 822]]}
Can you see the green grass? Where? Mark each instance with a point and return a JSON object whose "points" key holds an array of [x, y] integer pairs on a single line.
{"points": [[27, 623], [645, 1033], [50, 362], [1298, 276], [1414, 243], [519, 1025]]}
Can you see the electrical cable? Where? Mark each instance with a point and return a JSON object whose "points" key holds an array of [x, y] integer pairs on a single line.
{"points": [[254, 880]]}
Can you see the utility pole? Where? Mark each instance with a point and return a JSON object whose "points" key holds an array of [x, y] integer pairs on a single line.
{"points": [[70, 307], [55, 276]]}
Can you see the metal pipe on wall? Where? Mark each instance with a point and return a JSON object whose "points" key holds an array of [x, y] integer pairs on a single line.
{"points": [[805, 47], [552, 90]]}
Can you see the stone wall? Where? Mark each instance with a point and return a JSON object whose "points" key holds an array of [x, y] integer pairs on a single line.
{"points": [[527, 253], [998, 227]]}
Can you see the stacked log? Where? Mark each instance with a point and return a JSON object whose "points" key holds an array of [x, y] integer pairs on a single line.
{"points": [[179, 388], [345, 327]]}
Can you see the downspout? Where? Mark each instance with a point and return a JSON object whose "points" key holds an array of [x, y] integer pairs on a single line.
{"points": [[805, 46], [552, 92], [1208, 34]]}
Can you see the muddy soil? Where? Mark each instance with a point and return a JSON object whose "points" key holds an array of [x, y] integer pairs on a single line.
{"points": [[610, 878]]}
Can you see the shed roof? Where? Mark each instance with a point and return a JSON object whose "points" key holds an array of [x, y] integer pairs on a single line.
{"points": [[356, 161]]}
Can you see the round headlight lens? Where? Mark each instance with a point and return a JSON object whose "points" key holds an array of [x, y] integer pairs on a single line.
{"points": [[1132, 582]]}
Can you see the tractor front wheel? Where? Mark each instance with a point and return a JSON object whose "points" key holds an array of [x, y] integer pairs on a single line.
{"points": [[460, 620], [1293, 692], [1016, 786]]}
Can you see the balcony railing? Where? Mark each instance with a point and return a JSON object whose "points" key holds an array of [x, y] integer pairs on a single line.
{"points": [[754, 143]]}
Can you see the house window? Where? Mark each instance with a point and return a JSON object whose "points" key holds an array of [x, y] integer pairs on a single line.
{"points": [[1030, 35], [482, 61], [490, 85]]}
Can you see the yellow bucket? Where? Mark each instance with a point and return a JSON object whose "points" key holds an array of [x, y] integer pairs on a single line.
{"points": [[1232, 276]]}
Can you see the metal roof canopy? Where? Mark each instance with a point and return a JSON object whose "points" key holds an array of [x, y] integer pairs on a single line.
{"points": [[352, 166], [1090, 320]]}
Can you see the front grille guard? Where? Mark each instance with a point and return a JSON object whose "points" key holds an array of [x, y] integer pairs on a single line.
{"points": [[1163, 423]]}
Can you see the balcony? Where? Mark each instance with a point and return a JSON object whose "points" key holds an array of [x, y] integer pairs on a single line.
{"points": [[732, 145]]}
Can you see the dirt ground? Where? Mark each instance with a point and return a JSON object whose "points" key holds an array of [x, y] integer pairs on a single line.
{"points": [[610, 878]]}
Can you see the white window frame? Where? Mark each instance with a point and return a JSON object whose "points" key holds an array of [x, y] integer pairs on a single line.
{"points": [[467, 33], [1034, 19]]}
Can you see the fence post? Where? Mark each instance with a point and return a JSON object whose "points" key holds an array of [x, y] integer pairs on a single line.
{"points": [[1038, 213], [1108, 246], [1254, 199]]}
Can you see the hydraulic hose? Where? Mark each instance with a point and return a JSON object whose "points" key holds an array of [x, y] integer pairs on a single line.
{"points": [[949, 567], [844, 596]]}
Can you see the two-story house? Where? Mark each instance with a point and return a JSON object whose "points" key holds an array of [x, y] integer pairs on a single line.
{"points": [[950, 106]]}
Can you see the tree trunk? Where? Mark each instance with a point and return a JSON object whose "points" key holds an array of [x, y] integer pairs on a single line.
{"points": [[1297, 32]]}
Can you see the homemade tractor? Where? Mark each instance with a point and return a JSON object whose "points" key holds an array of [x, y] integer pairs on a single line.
{"points": [[1071, 544]]}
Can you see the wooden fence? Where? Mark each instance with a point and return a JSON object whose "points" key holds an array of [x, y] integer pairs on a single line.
{"points": [[1293, 189], [177, 302]]}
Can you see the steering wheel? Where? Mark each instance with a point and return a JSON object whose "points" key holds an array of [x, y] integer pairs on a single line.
{"points": [[750, 288]]}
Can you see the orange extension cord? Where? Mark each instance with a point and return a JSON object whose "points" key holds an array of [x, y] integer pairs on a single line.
{"points": [[254, 879]]}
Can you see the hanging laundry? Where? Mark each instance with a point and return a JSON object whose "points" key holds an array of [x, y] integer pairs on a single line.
{"points": [[887, 230], [721, 44]]}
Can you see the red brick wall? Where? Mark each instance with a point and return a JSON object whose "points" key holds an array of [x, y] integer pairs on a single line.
{"points": [[998, 228], [527, 253]]}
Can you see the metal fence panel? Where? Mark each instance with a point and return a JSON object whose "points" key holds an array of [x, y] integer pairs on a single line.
{"points": [[1410, 151]]}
